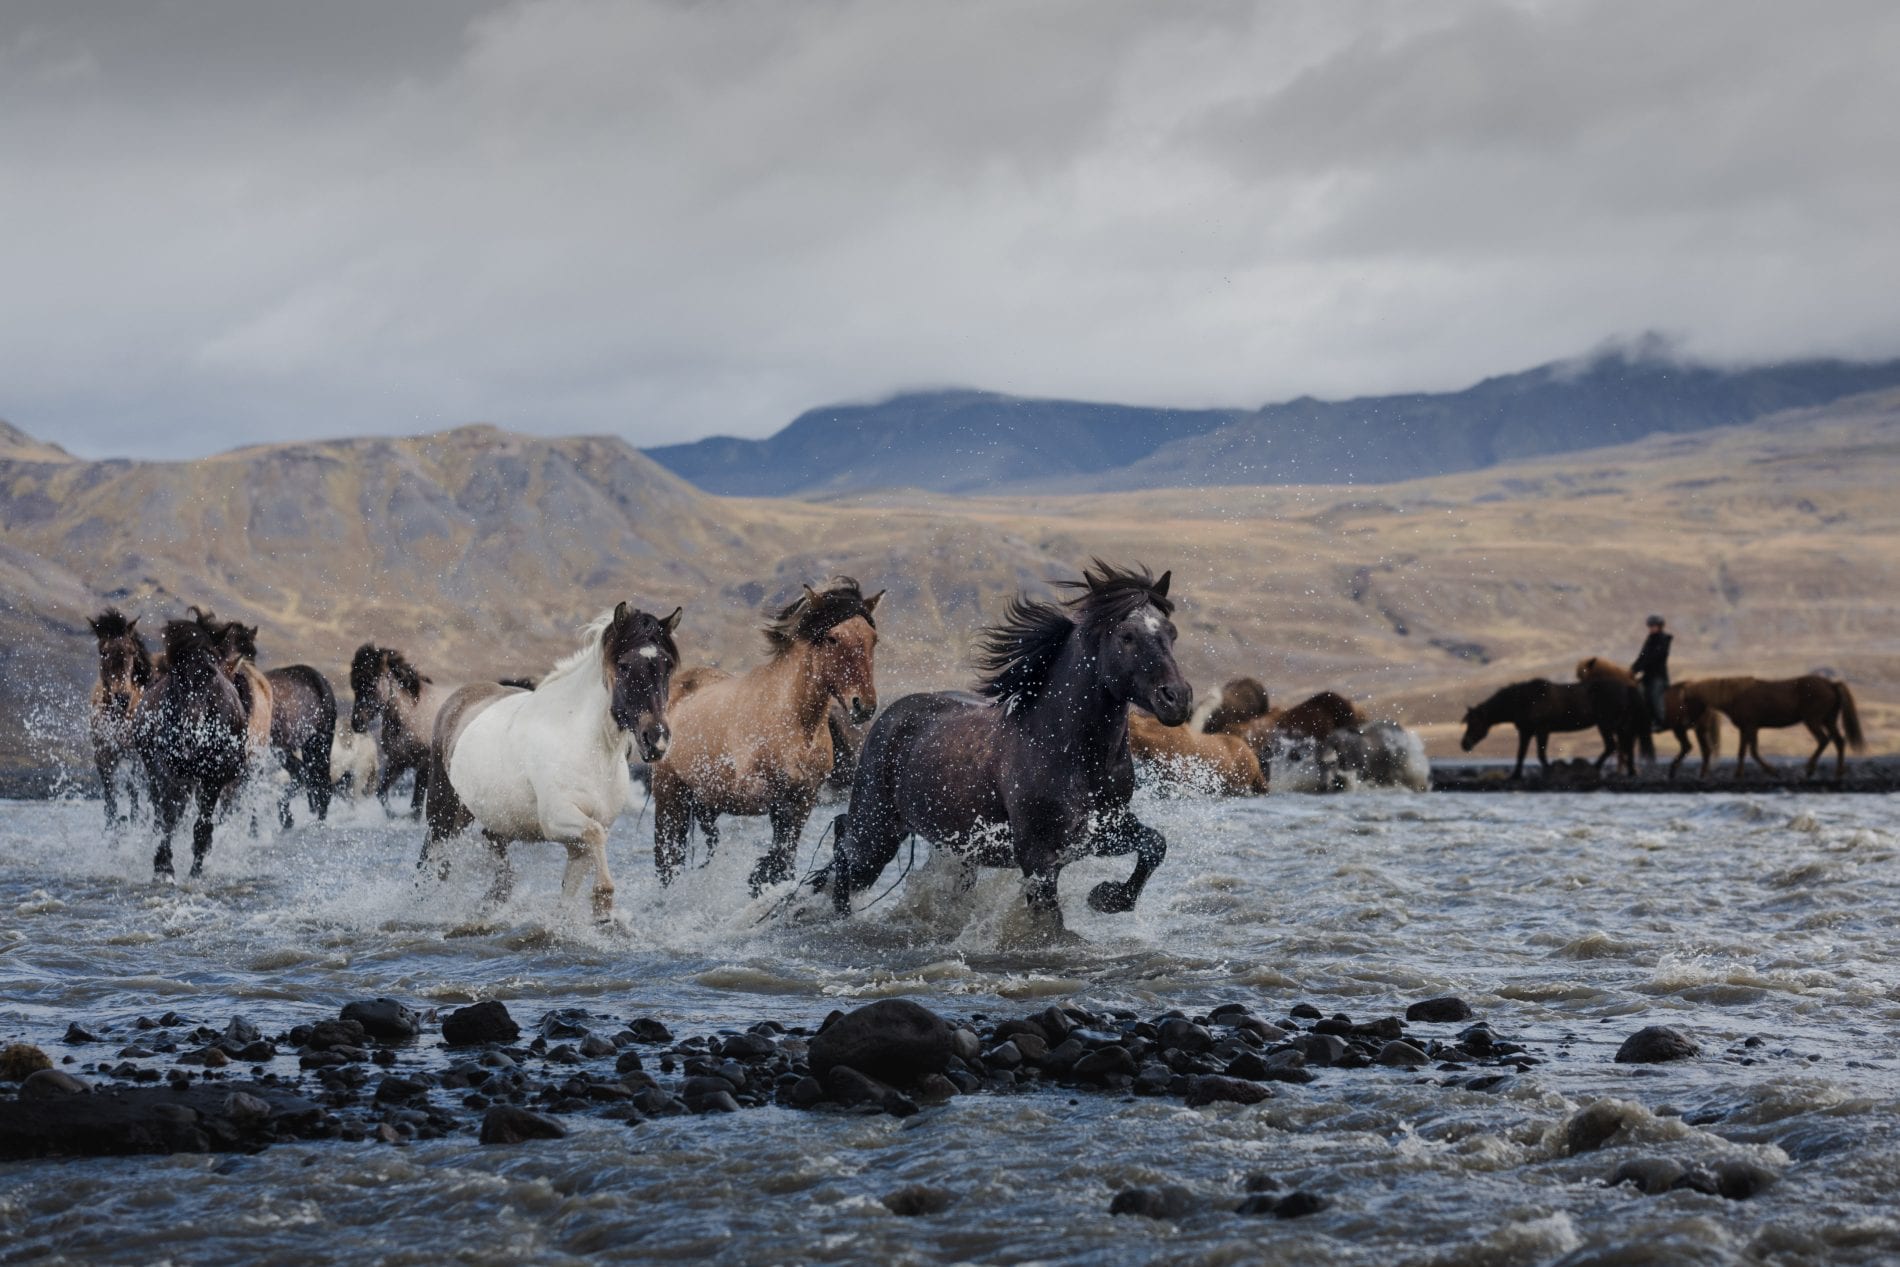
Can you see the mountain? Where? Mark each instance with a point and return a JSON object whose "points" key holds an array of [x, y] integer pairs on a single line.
{"points": [[979, 442]]}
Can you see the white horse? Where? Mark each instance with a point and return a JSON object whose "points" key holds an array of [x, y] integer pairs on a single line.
{"points": [[551, 763]]}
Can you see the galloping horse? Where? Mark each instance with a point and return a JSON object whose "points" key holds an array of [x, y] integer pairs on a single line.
{"points": [[398, 705], [551, 763], [125, 670], [237, 651], [1540, 708], [1825, 706], [1041, 754], [1238, 702], [1683, 712], [761, 742], [298, 716], [1185, 752], [190, 731]]}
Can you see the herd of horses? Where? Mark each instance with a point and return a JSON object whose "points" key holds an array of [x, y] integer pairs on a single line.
{"points": [[1032, 770], [1605, 697]]}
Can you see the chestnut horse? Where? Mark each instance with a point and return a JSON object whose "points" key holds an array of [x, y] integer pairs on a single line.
{"points": [[398, 705], [1825, 706], [1240, 701], [551, 763], [190, 732], [125, 670], [1225, 761], [1683, 713], [1035, 772], [760, 742], [1539, 709]]}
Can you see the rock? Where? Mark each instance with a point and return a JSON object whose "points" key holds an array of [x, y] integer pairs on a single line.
{"points": [[1295, 1205], [1104, 1062], [748, 1047], [19, 1060], [716, 1102], [1023, 1025], [935, 1088], [1385, 1029], [892, 1040], [1034, 1047], [240, 1032], [1305, 1011], [916, 1199], [849, 1086], [76, 1035], [966, 1046], [1265, 1031], [1401, 1053], [1260, 1181], [506, 1124], [806, 1092], [594, 1047], [1321, 1049], [209, 1057], [1592, 1126], [648, 1030], [1170, 1201], [1185, 1034], [1261, 1203], [1055, 1023], [565, 1022], [328, 1035], [1649, 1174], [656, 1103], [384, 1020], [1005, 1055], [255, 1053], [484, 1022], [242, 1106], [1213, 1088], [44, 1084], [1440, 1010], [628, 1062], [1063, 1055], [1655, 1044], [398, 1089], [122, 1121]]}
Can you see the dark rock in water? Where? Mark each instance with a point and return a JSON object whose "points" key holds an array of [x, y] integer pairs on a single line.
{"points": [[19, 1060], [255, 1053], [383, 1019], [1478, 1040], [1440, 1010], [1592, 1126], [716, 1102], [1185, 1034], [936, 1088], [628, 1062], [1261, 1203], [892, 1040], [1026, 1025], [1321, 1049], [1034, 1048], [326, 1035], [240, 1032], [1213, 1088], [1733, 1179], [77, 1036], [594, 1047], [1104, 1062], [1305, 1011], [179, 1118], [1062, 1057], [648, 1030], [849, 1086], [1055, 1023], [1401, 1053], [748, 1047], [1260, 1181], [1655, 1044], [1386, 1028], [966, 1046], [656, 1103], [506, 1124], [1005, 1055], [1170, 1201], [804, 1093], [566, 1022], [1295, 1205], [1648, 1174], [916, 1199], [1153, 1080], [209, 1057], [484, 1022], [44, 1084], [394, 1088]]}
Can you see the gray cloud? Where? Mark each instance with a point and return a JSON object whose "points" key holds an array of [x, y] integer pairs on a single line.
{"points": [[227, 222]]}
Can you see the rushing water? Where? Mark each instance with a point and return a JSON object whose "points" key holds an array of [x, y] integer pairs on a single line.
{"points": [[1567, 922]]}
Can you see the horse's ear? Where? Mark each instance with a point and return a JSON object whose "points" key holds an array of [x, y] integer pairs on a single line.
{"points": [[132, 624], [672, 622], [621, 612], [1161, 586], [92, 625], [811, 595], [870, 604]]}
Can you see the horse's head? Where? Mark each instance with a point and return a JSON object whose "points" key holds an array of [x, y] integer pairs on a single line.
{"points": [[839, 624], [1476, 728], [1135, 642], [369, 683], [637, 659], [125, 666]]}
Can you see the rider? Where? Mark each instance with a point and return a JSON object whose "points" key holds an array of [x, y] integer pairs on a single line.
{"points": [[1652, 666]]}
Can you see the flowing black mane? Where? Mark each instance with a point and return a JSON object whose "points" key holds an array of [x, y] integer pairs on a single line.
{"points": [[110, 623], [1016, 654], [816, 611], [365, 667], [191, 648]]}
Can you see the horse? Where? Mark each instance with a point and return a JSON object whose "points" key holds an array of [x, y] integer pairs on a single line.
{"points": [[1316, 718], [1225, 762], [1540, 708], [297, 708], [1684, 713], [1240, 701], [397, 704], [353, 763], [760, 742], [1825, 706], [189, 730], [125, 670], [551, 763], [1035, 770], [237, 649]]}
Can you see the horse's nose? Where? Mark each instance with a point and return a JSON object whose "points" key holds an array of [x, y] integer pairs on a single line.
{"points": [[658, 738], [1172, 701], [861, 711]]}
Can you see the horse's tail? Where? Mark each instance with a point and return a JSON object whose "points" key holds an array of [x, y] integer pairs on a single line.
{"points": [[1709, 726], [1645, 726], [1850, 719]]}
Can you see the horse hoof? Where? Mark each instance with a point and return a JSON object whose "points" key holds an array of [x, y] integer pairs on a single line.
{"points": [[1111, 898]]}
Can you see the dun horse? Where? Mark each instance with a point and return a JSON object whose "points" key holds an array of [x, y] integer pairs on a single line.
{"points": [[125, 670], [1225, 761], [551, 763], [761, 742], [398, 705], [190, 732], [1540, 709], [1035, 772], [1825, 706], [1684, 713]]}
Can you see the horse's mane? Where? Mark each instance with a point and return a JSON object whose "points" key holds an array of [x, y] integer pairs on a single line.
{"points": [[1508, 696], [808, 617], [595, 631], [365, 665], [1015, 655], [111, 623], [191, 642]]}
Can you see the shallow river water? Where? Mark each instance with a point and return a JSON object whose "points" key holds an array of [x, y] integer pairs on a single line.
{"points": [[1567, 922]]}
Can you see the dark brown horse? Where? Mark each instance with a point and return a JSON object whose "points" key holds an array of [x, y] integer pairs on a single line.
{"points": [[300, 718], [1684, 713], [1540, 708], [1235, 704], [1036, 771], [398, 704], [1824, 705], [189, 731], [125, 670]]}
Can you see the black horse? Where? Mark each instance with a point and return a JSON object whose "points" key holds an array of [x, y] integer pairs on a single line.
{"points": [[1541, 708], [1041, 753], [189, 731], [302, 719]]}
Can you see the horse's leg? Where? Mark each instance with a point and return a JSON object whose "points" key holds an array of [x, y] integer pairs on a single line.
{"points": [[866, 842], [1755, 745], [1609, 737], [201, 831], [708, 820], [170, 803], [1819, 732], [417, 797], [1523, 746], [1543, 751], [1124, 834], [502, 887], [672, 817], [107, 764], [1682, 739], [316, 770], [293, 766], [788, 815], [591, 847]]}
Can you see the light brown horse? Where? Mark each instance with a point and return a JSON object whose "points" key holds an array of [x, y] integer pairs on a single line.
{"points": [[760, 742], [1184, 751], [125, 670], [1825, 706], [1684, 713]]}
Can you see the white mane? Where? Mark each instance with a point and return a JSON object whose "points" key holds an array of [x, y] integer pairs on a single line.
{"points": [[593, 631]]}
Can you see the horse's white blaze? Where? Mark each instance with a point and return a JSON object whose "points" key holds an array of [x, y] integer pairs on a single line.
{"points": [[1150, 621], [650, 652]]}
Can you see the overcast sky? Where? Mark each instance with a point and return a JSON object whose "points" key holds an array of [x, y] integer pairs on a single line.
{"points": [[225, 221]]}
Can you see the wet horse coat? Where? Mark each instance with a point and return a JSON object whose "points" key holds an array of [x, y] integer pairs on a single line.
{"points": [[125, 670], [398, 705]]}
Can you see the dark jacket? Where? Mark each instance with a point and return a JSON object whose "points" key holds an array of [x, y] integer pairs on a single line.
{"points": [[1653, 661]]}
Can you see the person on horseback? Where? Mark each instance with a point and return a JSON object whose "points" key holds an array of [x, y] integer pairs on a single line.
{"points": [[1652, 667]]}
